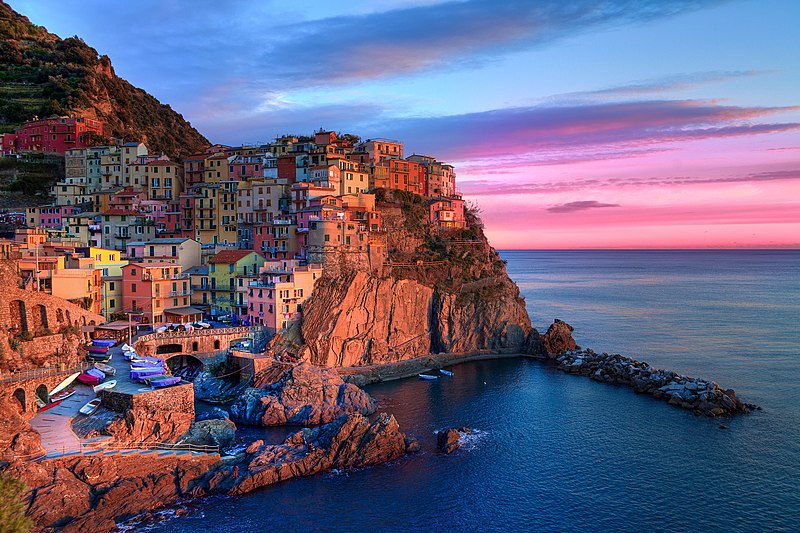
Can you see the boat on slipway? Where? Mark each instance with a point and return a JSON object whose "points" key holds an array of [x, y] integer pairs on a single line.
{"points": [[90, 407], [427, 377]]}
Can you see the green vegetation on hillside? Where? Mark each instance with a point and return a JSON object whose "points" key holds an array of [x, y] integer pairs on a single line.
{"points": [[42, 74]]}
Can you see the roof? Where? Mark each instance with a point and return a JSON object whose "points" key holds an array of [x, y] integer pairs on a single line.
{"points": [[185, 311], [169, 240], [230, 256], [135, 143], [120, 212], [197, 270]]}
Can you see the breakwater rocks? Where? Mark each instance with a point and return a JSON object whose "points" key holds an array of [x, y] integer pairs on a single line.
{"points": [[703, 397], [449, 440], [301, 394]]}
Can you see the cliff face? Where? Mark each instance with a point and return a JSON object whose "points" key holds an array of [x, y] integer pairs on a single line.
{"points": [[441, 290], [369, 320], [42, 74]]}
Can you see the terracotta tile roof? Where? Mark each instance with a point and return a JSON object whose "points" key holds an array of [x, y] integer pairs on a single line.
{"points": [[230, 256]]}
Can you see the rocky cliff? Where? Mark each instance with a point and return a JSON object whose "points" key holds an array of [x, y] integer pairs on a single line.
{"points": [[42, 74], [441, 290]]}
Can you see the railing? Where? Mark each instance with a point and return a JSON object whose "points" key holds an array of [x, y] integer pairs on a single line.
{"points": [[162, 446], [35, 373], [197, 332]]}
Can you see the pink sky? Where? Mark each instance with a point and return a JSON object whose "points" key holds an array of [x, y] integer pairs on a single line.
{"points": [[729, 193]]}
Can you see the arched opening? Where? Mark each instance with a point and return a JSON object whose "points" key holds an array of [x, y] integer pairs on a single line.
{"points": [[185, 365], [19, 319], [43, 316], [19, 394], [216, 344], [194, 346], [69, 318], [60, 315], [42, 392], [169, 348]]}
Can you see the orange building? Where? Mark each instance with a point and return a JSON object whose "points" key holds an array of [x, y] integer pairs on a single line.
{"points": [[153, 289]]}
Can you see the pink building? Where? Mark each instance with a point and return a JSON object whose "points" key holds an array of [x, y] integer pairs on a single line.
{"points": [[54, 134], [447, 212], [278, 296]]}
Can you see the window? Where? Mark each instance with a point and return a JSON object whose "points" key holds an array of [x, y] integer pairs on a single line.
{"points": [[112, 303], [111, 286], [133, 287]]}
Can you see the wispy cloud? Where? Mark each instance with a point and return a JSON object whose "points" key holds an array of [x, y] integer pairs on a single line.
{"points": [[568, 131], [396, 42], [583, 205], [494, 188]]}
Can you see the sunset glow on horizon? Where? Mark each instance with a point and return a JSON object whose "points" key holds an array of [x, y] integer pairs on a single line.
{"points": [[655, 124]]}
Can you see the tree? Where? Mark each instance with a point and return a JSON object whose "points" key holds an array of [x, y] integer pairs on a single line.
{"points": [[12, 506]]}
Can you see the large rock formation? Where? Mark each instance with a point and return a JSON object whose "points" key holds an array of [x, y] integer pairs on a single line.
{"points": [[441, 290], [17, 437], [348, 442], [301, 394]]}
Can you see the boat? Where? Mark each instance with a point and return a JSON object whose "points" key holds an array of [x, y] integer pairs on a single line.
{"points": [[90, 407], [108, 370], [106, 385], [97, 358], [63, 395], [427, 377], [64, 384], [45, 407], [163, 381], [88, 379], [129, 355], [446, 372], [144, 358], [97, 349], [104, 342], [127, 347], [140, 373]]}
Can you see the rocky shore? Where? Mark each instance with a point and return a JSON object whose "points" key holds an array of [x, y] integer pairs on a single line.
{"points": [[702, 396], [95, 492]]}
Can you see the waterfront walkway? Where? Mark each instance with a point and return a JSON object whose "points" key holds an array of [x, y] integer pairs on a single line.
{"points": [[55, 424]]}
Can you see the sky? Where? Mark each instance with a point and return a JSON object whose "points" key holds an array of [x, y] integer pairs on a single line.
{"points": [[580, 124]]}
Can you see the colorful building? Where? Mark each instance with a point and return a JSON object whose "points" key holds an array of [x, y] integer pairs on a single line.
{"points": [[226, 269]]}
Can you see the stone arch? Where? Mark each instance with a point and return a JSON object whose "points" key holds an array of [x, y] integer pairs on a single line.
{"points": [[19, 394], [83, 319], [69, 317], [184, 365], [59, 315], [43, 393], [194, 346], [169, 348], [216, 344], [19, 318], [43, 316]]}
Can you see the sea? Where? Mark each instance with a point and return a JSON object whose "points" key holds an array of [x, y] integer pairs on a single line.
{"points": [[555, 452]]}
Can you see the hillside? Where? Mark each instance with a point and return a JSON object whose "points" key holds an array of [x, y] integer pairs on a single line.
{"points": [[42, 74]]}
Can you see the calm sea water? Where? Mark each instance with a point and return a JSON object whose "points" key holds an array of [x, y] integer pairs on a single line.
{"points": [[554, 452]]}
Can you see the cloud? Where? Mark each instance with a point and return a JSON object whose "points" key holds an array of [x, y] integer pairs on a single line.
{"points": [[546, 133], [494, 188], [342, 49], [571, 207]]}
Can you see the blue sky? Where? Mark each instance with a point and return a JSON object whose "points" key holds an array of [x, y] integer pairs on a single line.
{"points": [[575, 97]]}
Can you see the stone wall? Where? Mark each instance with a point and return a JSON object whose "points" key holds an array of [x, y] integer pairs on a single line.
{"points": [[26, 315], [200, 341], [178, 398]]}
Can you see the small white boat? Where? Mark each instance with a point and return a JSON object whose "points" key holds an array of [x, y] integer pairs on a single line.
{"points": [[427, 377], [108, 370], [64, 384], [105, 385], [446, 372], [90, 407]]}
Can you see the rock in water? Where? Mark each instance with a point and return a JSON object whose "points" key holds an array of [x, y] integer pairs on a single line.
{"points": [[211, 433], [303, 395], [448, 439]]}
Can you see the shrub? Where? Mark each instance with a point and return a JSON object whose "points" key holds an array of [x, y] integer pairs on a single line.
{"points": [[12, 506]]}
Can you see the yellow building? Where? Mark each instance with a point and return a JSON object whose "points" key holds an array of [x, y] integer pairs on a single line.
{"points": [[225, 269]]}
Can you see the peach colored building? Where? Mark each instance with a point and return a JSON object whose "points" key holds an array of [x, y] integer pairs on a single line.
{"points": [[151, 289], [278, 296]]}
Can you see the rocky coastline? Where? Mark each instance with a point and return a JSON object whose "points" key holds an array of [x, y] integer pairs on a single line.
{"points": [[701, 396]]}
